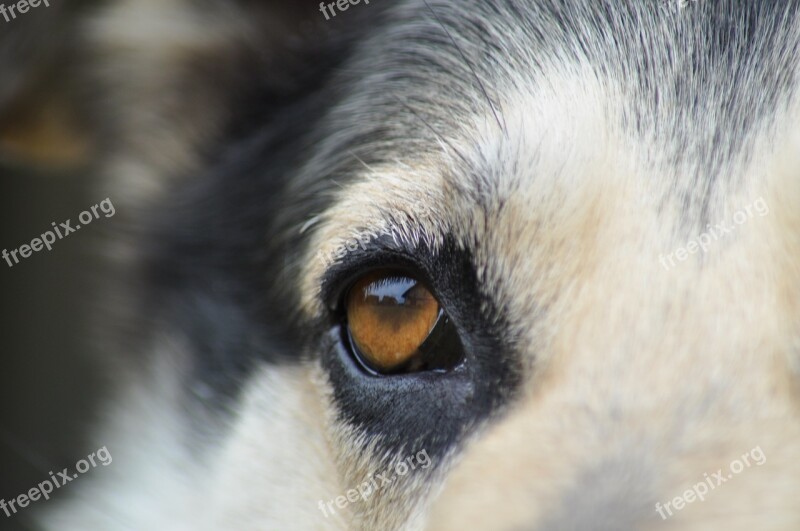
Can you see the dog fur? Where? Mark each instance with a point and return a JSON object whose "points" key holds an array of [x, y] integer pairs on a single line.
{"points": [[558, 149]]}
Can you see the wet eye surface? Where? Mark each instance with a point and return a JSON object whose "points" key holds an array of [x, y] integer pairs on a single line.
{"points": [[395, 325]]}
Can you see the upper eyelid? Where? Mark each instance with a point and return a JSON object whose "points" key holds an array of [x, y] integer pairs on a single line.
{"points": [[381, 253]]}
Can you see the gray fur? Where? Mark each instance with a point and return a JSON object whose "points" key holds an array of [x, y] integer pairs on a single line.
{"points": [[558, 147]]}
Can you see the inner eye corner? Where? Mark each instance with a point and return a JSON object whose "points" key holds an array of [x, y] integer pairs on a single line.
{"points": [[395, 324]]}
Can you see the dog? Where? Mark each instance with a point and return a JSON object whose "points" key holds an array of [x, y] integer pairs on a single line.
{"points": [[561, 285]]}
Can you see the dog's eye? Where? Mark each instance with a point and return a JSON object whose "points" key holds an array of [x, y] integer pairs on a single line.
{"points": [[395, 325]]}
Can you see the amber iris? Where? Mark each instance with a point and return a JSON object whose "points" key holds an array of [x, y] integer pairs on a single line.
{"points": [[389, 316]]}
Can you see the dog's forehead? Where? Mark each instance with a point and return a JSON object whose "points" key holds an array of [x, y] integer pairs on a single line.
{"points": [[485, 109], [699, 82]]}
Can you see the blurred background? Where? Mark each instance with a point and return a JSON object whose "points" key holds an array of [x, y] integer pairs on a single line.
{"points": [[50, 388], [55, 378]]}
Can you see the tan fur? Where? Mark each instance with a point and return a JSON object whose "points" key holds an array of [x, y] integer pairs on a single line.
{"points": [[637, 380], [670, 374]]}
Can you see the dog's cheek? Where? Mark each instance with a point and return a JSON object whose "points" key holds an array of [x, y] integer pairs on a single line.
{"points": [[257, 473]]}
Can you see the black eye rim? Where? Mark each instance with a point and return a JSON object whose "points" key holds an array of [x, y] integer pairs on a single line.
{"points": [[435, 410], [441, 352]]}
